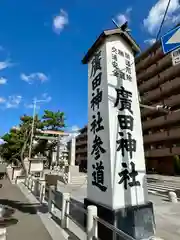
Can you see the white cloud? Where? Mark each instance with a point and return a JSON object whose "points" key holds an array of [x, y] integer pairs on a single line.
{"points": [[75, 128], [60, 21], [150, 41], [39, 76], [2, 100], [156, 13], [3, 80], [5, 64], [13, 101], [123, 17], [46, 97]]}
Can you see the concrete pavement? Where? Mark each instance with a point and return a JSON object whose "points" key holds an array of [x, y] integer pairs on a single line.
{"points": [[167, 217], [29, 225]]}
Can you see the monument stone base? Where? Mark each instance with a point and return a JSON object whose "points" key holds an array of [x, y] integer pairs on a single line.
{"points": [[136, 221]]}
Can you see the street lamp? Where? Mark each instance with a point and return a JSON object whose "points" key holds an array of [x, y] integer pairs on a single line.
{"points": [[32, 129]]}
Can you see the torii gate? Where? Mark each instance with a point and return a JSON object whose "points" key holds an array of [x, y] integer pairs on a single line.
{"points": [[58, 138]]}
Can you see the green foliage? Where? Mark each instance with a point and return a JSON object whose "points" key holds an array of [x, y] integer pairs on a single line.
{"points": [[11, 149], [15, 139], [53, 120], [18, 139]]}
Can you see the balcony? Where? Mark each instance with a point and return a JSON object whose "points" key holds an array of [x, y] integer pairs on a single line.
{"points": [[148, 85], [81, 150], [162, 136], [170, 119], [163, 64], [143, 56], [81, 142], [168, 74], [163, 152], [167, 89], [81, 136], [81, 158], [172, 101], [152, 59]]}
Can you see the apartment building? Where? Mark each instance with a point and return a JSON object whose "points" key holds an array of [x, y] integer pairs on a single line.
{"points": [[81, 149], [159, 84]]}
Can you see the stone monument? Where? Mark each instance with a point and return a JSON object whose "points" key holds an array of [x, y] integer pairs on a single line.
{"points": [[116, 163]]}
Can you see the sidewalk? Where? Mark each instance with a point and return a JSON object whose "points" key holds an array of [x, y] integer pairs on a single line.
{"points": [[29, 225]]}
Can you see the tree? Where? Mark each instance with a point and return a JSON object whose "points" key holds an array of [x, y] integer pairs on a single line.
{"points": [[53, 120], [17, 141], [10, 151]]}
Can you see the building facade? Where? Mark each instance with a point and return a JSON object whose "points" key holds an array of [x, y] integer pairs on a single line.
{"points": [[81, 150], [158, 84]]}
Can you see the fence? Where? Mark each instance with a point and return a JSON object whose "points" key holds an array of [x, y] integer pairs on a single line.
{"points": [[70, 214], [36, 186]]}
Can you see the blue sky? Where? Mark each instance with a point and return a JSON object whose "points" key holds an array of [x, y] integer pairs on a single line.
{"points": [[42, 43]]}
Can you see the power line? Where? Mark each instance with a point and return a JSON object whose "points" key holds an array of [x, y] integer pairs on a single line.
{"points": [[160, 28], [165, 13]]}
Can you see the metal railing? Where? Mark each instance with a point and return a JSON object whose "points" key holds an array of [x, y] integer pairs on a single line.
{"points": [[116, 231], [63, 207], [90, 214]]}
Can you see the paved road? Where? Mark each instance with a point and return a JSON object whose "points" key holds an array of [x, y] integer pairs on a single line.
{"points": [[29, 225], [162, 187]]}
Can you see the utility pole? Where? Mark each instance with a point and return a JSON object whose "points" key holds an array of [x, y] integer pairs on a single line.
{"points": [[32, 128], [58, 148], [33, 121]]}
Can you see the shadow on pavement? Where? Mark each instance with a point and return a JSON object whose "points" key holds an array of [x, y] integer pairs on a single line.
{"points": [[24, 207], [152, 180], [71, 236], [8, 222]]}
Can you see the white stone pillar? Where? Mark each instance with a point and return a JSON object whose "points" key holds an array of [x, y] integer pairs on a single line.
{"points": [[115, 146], [116, 162], [91, 222], [72, 151]]}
